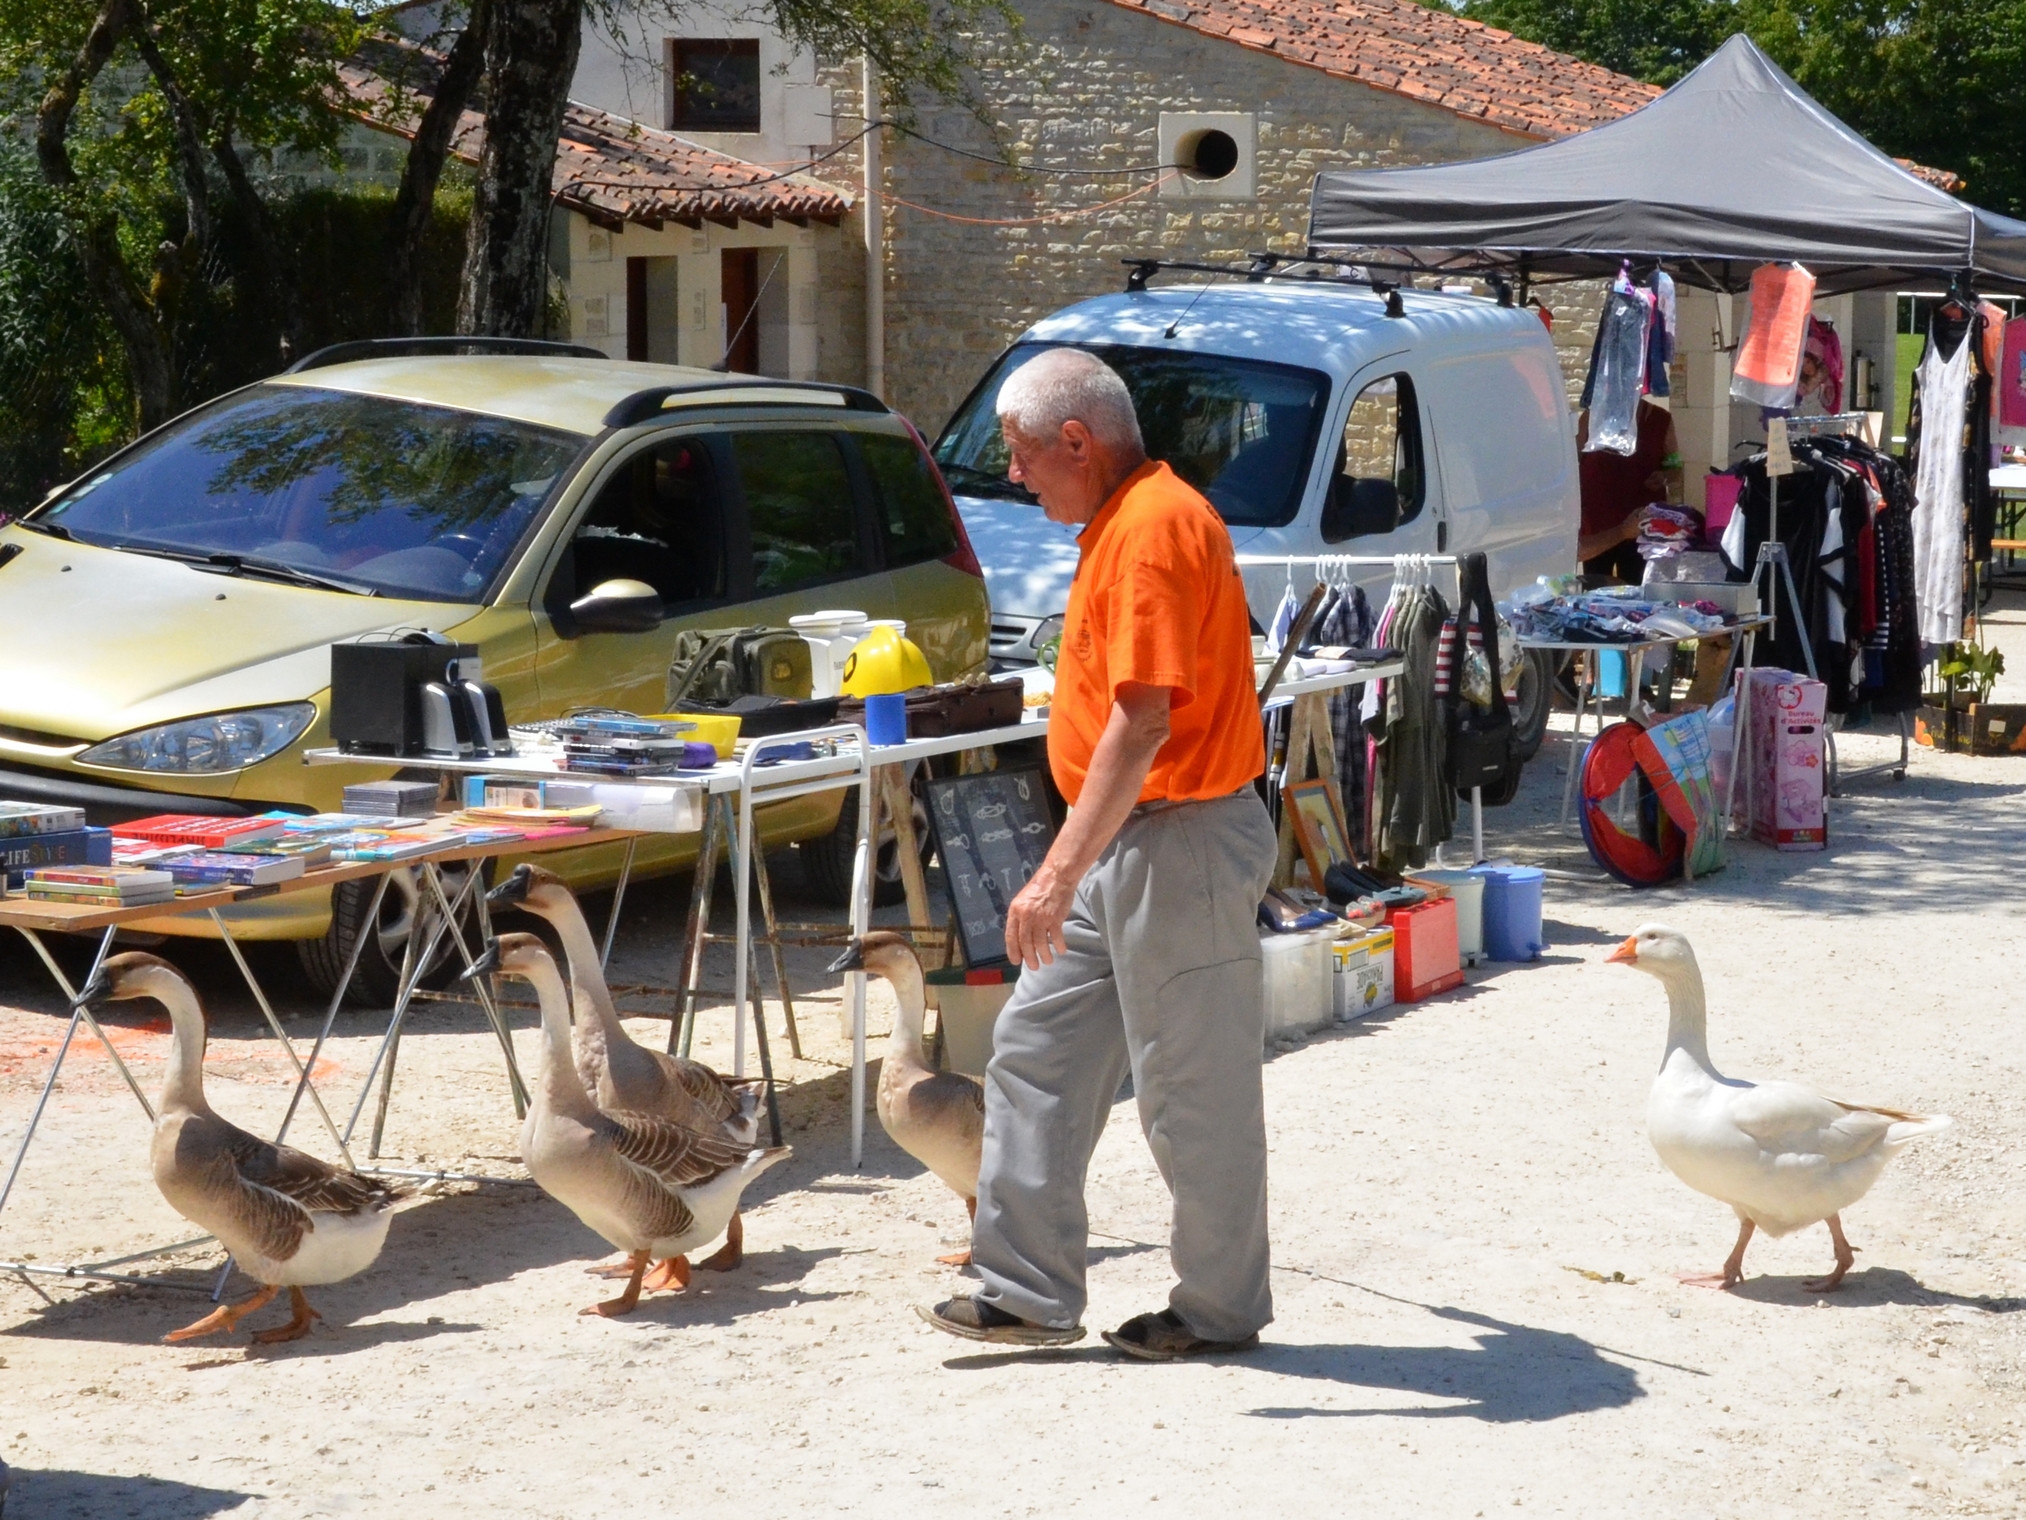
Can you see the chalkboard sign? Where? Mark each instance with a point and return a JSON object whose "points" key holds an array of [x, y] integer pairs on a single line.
{"points": [[992, 831]]}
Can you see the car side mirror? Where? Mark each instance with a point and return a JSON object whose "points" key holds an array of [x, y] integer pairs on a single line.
{"points": [[1359, 507], [621, 606]]}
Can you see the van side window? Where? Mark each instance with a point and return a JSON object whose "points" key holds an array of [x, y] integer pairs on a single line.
{"points": [[799, 509], [1378, 484], [910, 500], [660, 519]]}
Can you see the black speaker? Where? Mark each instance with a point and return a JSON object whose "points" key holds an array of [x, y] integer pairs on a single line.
{"points": [[376, 691]]}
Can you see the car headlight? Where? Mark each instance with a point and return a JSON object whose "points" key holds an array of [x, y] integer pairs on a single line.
{"points": [[206, 746]]}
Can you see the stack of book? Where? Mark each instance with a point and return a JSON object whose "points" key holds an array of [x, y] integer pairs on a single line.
{"points": [[210, 869], [100, 886], [206, 832], [391, 799], [19, 819], [34, 835]]}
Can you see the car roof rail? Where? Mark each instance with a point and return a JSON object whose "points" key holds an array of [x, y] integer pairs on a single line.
{"points": [[644, 406], [401, 348]]}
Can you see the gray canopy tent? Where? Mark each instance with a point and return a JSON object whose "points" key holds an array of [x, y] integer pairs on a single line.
{"points": [[1733, 167]]}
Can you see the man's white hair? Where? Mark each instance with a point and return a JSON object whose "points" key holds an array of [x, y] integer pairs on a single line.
{"points": [[1064, 383]]}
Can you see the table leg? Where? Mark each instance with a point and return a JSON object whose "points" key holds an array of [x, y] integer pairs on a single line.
{"points": [[91, 1020], [761, 879], [331, 1013], [77, 1013], [482, 986], [302, 1072], [760, 1040], [854, 981], [896, 801], [404, 991], [618, 897], [701, 892]]}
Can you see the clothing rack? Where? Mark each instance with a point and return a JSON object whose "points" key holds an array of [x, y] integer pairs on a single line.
{"points": [[1401, 565]]}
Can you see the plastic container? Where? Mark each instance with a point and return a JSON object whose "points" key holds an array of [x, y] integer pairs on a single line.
{"points": [[831, 636], [968, 1000], [1467, 887], [886, 718], [1298, 975], [1720, 494], [718, 730], [1512, 913], [1425, 958]]}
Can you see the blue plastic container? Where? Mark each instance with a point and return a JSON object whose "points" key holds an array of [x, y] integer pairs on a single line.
{"points": [[1512, 913], [1611, 672]]}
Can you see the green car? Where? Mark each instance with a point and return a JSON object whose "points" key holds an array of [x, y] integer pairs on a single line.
{"points": [[168, 617]]}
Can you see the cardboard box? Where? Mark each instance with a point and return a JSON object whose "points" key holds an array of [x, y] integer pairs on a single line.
{"points": [[1790, 794], [1362, 975]]}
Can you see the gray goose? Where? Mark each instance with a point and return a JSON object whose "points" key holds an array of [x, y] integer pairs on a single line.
{"points": [[289, 1220], [937, 1117], [620, 1074], [650, 1186]]}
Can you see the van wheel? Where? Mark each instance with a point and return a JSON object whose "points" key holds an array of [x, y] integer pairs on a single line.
{"points": [[378, 978], [826, 862], [1532, 702]]}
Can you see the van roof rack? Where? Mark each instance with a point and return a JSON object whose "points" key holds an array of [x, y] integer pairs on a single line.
{"points": [[401, 348], [644, 406], [1322, 268]]}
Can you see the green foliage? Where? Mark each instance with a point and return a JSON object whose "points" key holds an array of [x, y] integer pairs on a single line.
{"points": [[1942, 82], [1971, 668]]}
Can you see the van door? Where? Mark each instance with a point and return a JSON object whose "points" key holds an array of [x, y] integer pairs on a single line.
{"points": [[1507, 458], [1376, 495]]}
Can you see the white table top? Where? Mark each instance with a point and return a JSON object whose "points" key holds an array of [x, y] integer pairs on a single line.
{"points": [[2009, 477]]}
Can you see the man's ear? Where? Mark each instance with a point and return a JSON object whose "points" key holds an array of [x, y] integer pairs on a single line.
{"points": [[1078, 440]]}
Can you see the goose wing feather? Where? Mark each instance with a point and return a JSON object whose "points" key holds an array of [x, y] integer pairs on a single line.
{"points": [[674, 1153], [275, 1222], [1785, 1117], [315, 1185]]}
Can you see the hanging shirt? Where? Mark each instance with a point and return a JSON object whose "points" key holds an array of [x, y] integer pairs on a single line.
{"points": [[1767, 370], [1938, 521]]}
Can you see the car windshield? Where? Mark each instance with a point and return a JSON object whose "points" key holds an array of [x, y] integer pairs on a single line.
{"points": [[358, 493], [1239, 431]]}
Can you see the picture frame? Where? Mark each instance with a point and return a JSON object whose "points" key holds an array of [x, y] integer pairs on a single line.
{"points": [[1319, 828]]}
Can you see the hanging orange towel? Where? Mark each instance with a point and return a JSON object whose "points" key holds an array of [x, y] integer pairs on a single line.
{"points": [[1770, 356]]}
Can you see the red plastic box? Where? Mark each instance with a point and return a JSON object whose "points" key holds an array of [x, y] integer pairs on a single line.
{"points": [[1426, 959]]}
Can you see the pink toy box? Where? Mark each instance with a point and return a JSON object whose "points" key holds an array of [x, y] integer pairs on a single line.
{"points": [[1790, 793]]}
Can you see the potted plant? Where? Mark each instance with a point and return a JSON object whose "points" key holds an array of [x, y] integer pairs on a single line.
{"points": [[1962, 717]]}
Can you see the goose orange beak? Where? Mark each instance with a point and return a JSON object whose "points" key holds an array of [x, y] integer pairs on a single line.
{"points": [[1626, 954]]}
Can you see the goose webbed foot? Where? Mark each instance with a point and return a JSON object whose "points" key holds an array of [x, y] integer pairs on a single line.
{"points": [[1846, 1258], [1734, 1265], [732, 1252], [962, 1258], [619, 1267], [296, 1328], [224, 1317], [672, 1274], [625, 1302]]}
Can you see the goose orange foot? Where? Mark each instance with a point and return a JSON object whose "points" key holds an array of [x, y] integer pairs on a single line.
{"points": [[672, 1274], [625, 1302], [732, 1252], [296, 1328], [962, 1258], [224, 1317], [618, 1267]]}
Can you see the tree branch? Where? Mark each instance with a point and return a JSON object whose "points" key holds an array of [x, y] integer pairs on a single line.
{"points": [[189, 133], [415, 200]]}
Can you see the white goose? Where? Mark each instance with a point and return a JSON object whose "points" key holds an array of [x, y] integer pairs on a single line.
{"points": [[649, 1186], [621, 1075], [937, 1117], [289, 1220], [1780, 1154]]}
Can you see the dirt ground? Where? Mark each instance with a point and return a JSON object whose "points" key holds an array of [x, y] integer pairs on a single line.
{"points": [[1457, 1188]]}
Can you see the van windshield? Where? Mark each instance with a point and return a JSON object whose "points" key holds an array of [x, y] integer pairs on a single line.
{"points": [[1240, 431], [358, 493]]}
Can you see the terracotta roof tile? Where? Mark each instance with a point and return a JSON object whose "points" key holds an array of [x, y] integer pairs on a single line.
{"points": [[607, 167], [1424, 52]]}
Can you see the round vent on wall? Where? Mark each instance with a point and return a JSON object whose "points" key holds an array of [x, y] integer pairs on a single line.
{"points": [[1208, 155]]}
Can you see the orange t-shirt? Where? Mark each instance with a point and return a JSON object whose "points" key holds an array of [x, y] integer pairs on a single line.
{"points": [[1158, 600]]}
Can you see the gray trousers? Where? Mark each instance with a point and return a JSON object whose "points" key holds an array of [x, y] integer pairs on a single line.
{"points": [[1161, 969]]}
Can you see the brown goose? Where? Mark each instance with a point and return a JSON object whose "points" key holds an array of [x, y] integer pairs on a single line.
{"points": [[289, 1220], [648, 1185], [619, 1074], [937, 1117]]}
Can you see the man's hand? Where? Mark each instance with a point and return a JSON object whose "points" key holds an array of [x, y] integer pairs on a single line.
{"points": [[1118, 770]]}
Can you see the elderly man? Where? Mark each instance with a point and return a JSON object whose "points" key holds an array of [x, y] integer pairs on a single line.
{"points": [[1137, 933]]}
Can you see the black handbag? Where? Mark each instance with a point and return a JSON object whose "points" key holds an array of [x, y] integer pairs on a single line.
{"points": [[1481, 750]]}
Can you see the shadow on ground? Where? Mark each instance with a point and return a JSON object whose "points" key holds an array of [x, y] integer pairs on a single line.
{"points": [[59, 1494]]}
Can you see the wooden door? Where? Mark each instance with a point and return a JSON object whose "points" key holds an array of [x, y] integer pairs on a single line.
{"points": [[740, 283]]}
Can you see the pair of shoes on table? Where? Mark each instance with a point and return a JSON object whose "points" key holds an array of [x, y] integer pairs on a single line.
{"points": [[1156, 1337]]}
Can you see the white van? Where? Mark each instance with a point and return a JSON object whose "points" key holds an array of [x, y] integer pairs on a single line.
{"points": [[1316, 423]]}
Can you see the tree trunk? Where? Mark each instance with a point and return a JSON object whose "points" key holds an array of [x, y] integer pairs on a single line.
{"points": [[415, 201], [280, 289], [126, 304], [530, 57]]}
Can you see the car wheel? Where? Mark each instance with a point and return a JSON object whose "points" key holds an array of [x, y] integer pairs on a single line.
{"points": [[1532, 702], [826, 862], [377, 979]]}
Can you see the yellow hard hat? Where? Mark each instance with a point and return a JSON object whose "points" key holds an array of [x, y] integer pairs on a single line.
{"points": [[884, 662]]}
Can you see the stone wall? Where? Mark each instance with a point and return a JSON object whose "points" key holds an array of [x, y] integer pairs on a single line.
{"points": [[1089, 93]]}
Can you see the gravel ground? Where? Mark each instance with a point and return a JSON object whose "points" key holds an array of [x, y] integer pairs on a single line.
{"points": [[1458, 1188]]}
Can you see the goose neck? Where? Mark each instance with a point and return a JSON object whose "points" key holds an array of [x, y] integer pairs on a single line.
{"points": [[562, 1088], [905, 1044], [587, 983], [1687, 1015], [183, 1085]]}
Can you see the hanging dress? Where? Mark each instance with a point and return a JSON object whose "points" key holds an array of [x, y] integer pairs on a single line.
{"points": [[1938, 524]]}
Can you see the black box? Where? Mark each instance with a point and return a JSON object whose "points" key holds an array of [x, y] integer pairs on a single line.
{"points": [[376, 707]]}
